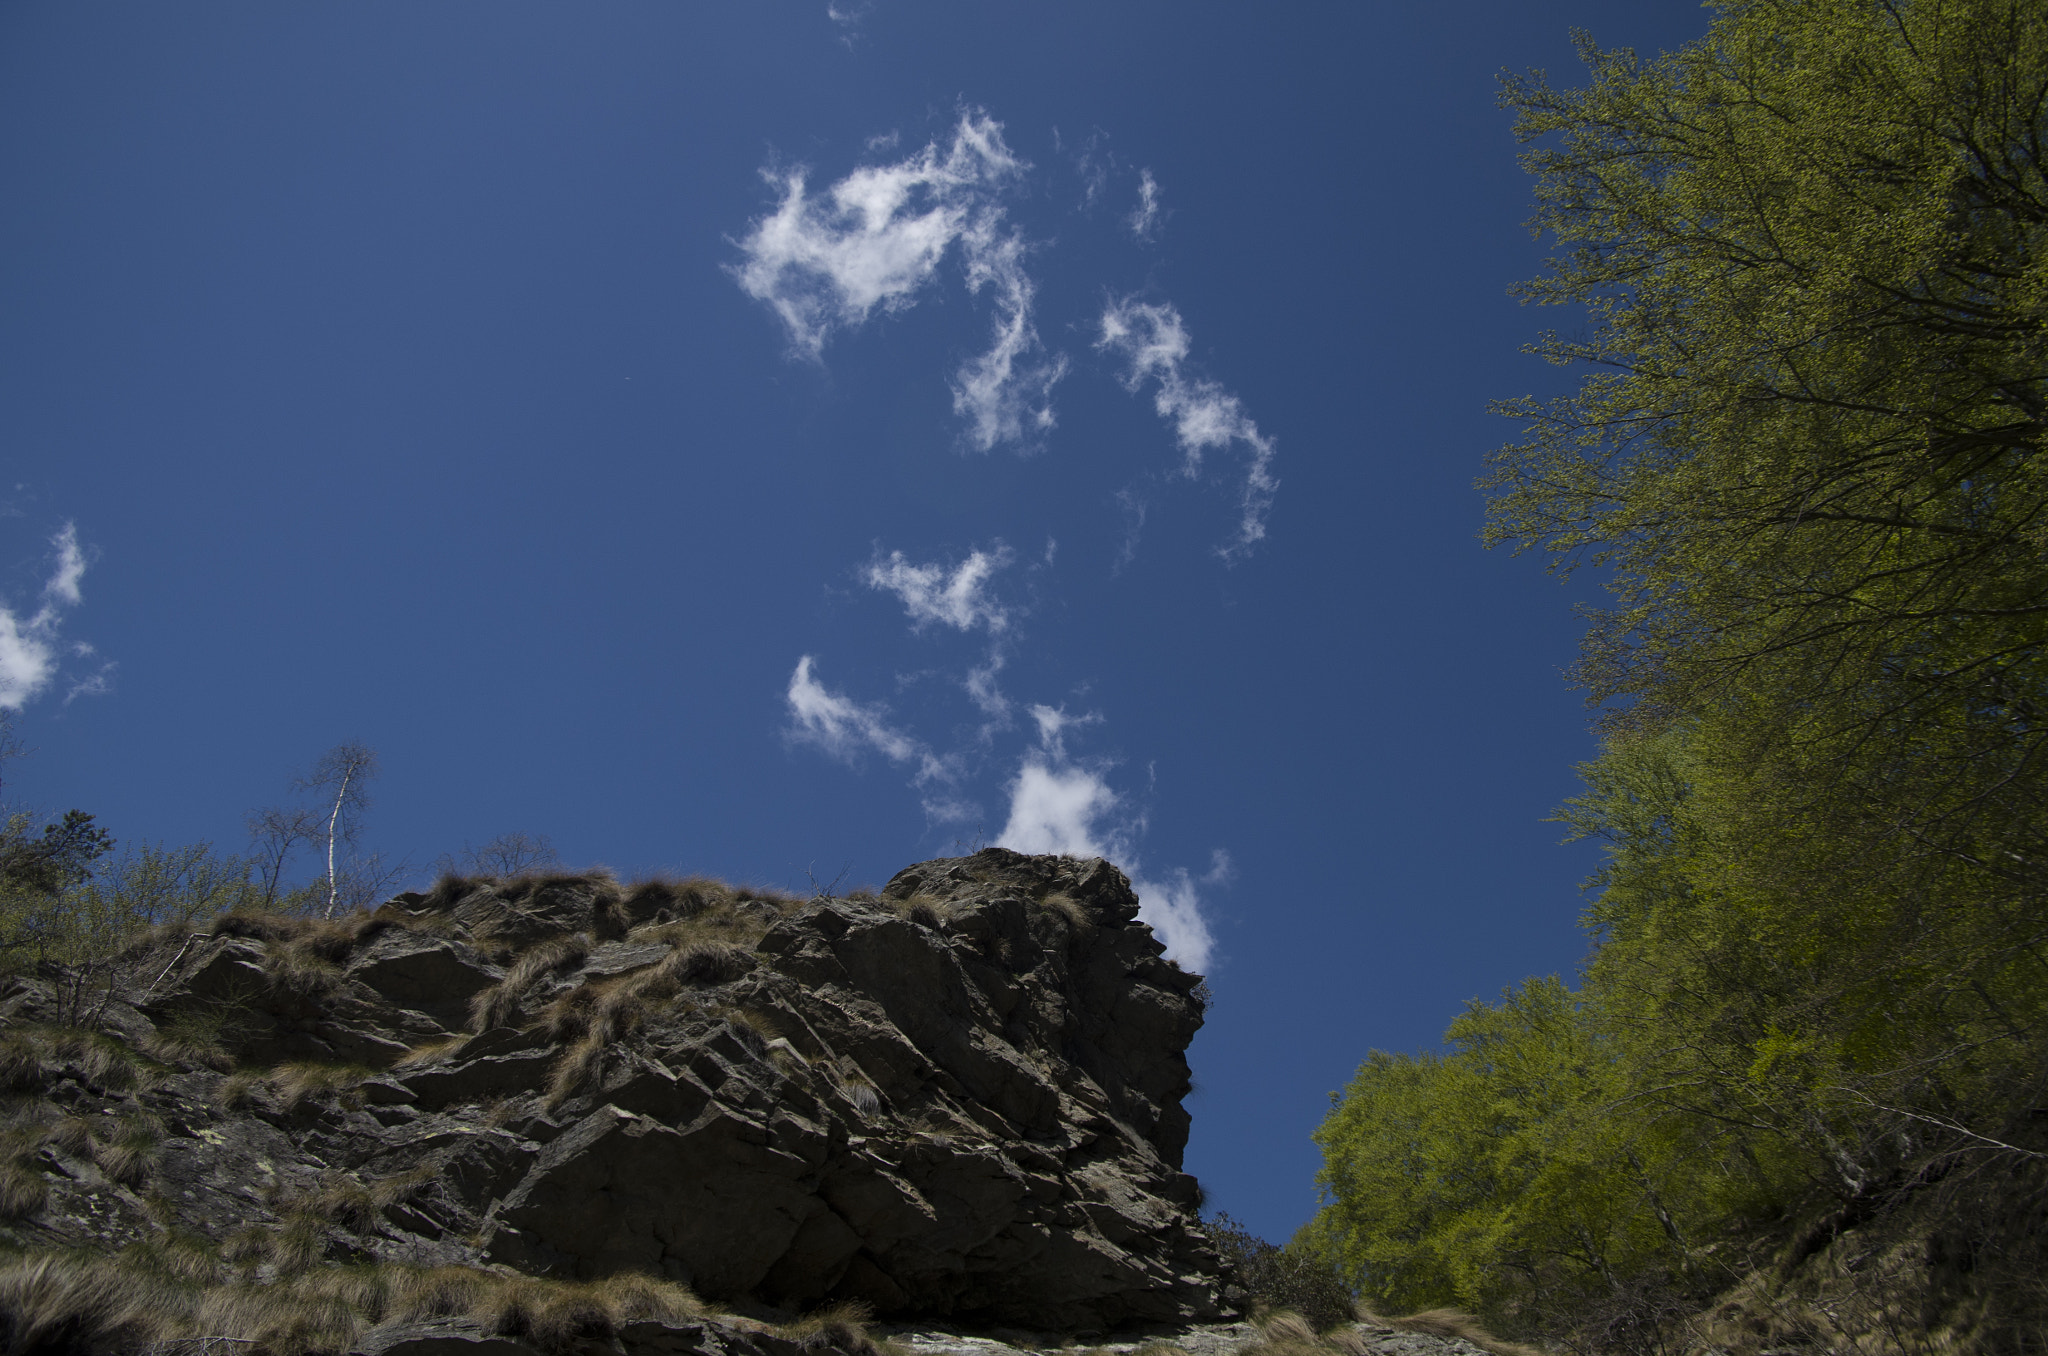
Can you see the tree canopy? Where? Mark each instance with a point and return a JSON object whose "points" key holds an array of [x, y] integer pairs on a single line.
{"points": [[1807, 460]]}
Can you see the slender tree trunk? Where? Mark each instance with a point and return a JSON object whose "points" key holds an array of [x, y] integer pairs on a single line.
{"points": [[333, 819]]}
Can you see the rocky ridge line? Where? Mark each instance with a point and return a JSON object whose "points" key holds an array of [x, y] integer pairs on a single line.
{"points": [[960, 1098]]}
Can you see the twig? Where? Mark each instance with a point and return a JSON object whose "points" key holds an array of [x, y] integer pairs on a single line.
{"points": [[173, 965]]}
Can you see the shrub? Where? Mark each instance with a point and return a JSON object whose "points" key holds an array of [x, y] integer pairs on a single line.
{"points": [[1290, 1278]]}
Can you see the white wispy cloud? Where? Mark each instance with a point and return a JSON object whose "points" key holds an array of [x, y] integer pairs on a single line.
{"points": [[1092, 163], [1154, 345], [1003, 396], [847, 729], [958, 597], [986, 696], [849, 16], [1145, 219], [31, 647], [841, 726], [876, 238], [1058, 805]]}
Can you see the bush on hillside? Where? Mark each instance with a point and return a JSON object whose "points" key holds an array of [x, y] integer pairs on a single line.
{"points": [[1291, 1278]]}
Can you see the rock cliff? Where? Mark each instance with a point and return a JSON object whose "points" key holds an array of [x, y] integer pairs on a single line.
{"points": [[960, 1099]]}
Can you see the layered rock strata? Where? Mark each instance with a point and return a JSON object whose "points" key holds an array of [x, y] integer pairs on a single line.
{"points": [[960, 1098]]}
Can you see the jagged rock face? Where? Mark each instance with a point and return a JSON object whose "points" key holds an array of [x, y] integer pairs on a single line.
{"points": [[962, 1098]]}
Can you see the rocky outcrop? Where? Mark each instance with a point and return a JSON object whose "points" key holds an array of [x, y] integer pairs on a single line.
{"points": [[960, 1098]]}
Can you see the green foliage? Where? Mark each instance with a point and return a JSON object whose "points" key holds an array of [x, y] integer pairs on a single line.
{"points": [[38, 871], [1813, 248], [101, 907], [1509, 1173]]}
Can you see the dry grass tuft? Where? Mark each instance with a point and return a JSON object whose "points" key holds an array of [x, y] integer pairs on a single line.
{"points": [[578, 1066], [753, 1030], [23, 1192], [1284, 1329], [497, 1005], [428, 1051], [604, 1010], [69, 1302], [857, 1088], [21, 1064], [440, 1292], [717, 919], [171, 1292], [705, 963], [296, 1083], [299, 970], [449, 890], [191, 1037], [1073, 910], [130, 1154], [551, 1317], [556, 1315], [633, 1299], [291, 1085], [238, 1089], [254, 926], [359, 1206], [842, 1326], [101, 1060], [299, 1243], [72, 1134]]}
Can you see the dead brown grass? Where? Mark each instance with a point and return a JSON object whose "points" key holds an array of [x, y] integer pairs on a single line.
{"points": [[497, 1005], [192, 1037], [858, 1089], [717, 921], [575, 1068], [428, 1051], [174, 1291], [925, 910], [23, 1191], [553, 1315], [297, 968], [1072, 910], [293, 1084], [752, 1029], [129, 1154], [299, 1082], [100, 1060], [21, 1063], [842, 1327]]}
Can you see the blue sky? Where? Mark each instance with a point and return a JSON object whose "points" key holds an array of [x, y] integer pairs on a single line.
{"points": [[790, 441]]}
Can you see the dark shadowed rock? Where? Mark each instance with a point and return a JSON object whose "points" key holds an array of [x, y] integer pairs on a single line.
{"points": [[959, 1099], [434, 975]]}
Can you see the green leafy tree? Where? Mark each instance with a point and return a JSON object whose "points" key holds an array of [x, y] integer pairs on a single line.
{"points": [[37, 872], [1812, 251]]}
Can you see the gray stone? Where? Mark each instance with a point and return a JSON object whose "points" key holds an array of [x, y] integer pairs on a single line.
{"points": [[960, 1101]]}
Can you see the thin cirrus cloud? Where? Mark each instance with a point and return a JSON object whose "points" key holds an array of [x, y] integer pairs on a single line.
{"points": [[1058, 805], [846, 730], [958, 597], [1146, 217], [875, 239], [1154, 344], [31, 647]]}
